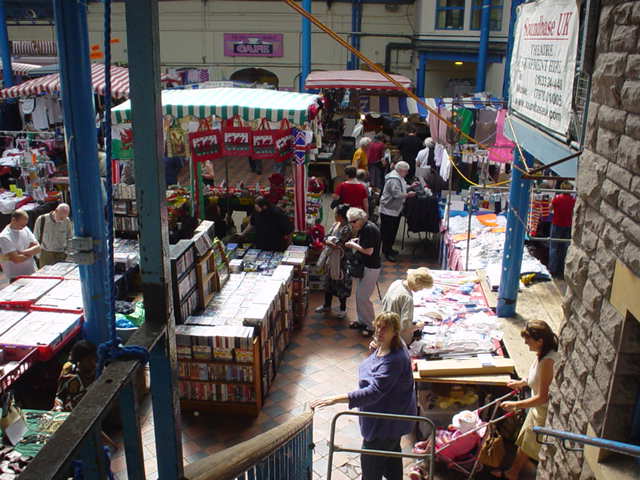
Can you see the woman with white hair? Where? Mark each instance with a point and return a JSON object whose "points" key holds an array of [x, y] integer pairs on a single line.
{"points": [[425, 158], [360, 155], [367, 253], [391, 202]]}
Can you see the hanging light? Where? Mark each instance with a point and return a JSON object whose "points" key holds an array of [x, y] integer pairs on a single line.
{"points": [[458, 63], [405, 119], [362, 116]]}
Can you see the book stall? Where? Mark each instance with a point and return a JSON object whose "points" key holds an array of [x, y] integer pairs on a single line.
{"points": [[459, 359]]}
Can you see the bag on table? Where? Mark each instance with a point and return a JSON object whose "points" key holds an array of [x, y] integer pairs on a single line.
{"points": [[284, 141]]}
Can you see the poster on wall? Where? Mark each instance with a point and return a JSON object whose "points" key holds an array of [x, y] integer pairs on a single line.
{"points": [[253, 45], [544, 62]]}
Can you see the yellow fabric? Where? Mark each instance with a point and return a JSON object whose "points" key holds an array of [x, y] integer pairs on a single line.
{"points": [[536, 417], [360, 159]]}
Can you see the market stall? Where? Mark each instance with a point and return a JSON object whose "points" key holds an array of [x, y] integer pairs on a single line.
{"points": [[225, 125], [460, 357]]}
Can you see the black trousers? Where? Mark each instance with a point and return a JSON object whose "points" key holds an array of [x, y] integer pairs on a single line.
{"points": [[375, 467], [388, 230], [327, 301]]}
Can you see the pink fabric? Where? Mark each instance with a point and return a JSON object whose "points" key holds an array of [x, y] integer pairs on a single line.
{"points": [[458, 446], [502, 152]]}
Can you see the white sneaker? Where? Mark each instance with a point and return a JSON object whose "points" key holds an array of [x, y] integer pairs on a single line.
{"points": [[342, 314], [322, 309]]}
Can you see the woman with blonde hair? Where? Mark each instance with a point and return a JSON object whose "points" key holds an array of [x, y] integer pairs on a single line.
{"points": [[385, 386], [360, 155], [399, 299], [540, 339]]}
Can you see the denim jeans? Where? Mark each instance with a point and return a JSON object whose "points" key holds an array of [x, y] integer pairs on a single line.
{"points": [[558, 250], [374, 467]]}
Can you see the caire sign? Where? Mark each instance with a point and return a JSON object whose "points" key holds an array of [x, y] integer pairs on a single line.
{"points": [[544, 62], [253, 45]]}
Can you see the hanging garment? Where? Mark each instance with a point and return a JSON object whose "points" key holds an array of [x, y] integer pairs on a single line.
{"points": [[486, 127], [464, 121], [502, 152], [442, 126], [437, 154], [39, 115], [423, 214], [445, 167], [54, 111], [540, 208]]}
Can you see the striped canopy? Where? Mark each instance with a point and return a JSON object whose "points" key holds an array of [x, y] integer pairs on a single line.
{"points": [[356, 79], [249, 103], [51, 83], [22, 68]]}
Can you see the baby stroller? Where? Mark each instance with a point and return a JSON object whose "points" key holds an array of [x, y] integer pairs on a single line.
{"points": [[458, 448]]}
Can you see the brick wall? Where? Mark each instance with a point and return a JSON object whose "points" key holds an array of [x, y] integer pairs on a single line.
{"points": [[606, 228]]}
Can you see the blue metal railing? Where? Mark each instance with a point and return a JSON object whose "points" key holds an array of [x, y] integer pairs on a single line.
{"points": [[611, 445]]}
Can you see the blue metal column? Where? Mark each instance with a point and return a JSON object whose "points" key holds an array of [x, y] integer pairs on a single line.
{"points": [[422, 72], [483, 49], [143, 40], [507, 61], [356, 27], [514, 240], [5, 48], [87, 198], [305, 47]]}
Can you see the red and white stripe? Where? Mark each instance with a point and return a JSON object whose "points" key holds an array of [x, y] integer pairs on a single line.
{"points": [[356, 79], [51, 83], [22, 68], [34, 48]]}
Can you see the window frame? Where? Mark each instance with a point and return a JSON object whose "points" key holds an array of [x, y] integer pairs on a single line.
{"points": [[447, 9], [478, 9]]}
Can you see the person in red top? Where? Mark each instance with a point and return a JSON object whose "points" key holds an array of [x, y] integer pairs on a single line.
{"points": [[375, 157], [352, 192], [562, 207]]}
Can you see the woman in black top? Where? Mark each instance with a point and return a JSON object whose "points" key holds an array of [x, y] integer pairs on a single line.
{"points": [[367, 248]]}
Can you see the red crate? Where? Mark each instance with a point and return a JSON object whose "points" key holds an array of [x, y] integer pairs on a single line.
{"points": [[25, 359]]}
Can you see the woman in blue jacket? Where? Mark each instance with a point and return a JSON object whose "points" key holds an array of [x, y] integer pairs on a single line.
{"points": [[385, 386]]}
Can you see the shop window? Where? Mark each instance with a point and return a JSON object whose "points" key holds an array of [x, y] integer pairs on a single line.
{"points": [[495, 22], [450, 14]]}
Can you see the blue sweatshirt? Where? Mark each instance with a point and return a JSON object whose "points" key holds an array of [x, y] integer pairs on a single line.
{"points": [[386, 386]]}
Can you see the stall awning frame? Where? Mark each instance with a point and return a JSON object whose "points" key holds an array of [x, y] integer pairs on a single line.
{"points": [[353, 79]]}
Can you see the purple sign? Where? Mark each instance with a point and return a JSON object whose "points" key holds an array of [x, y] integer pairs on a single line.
{"points": [[253, 45]]}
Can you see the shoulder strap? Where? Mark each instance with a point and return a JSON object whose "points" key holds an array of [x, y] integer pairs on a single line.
{"points": [[42, 221]]}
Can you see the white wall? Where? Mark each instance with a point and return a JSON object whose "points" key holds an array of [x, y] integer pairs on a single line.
{"points": [[191, 34]]}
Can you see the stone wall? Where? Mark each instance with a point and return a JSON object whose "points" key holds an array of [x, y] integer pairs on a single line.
{"points": [[606, 228]]}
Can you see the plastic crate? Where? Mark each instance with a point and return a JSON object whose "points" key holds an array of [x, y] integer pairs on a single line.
{"points": [[25, 358]]}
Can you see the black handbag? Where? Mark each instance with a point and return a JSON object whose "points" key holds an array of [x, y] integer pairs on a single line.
{"points": [[355, 266]]}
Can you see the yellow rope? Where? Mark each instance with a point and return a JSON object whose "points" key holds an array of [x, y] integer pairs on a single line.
{"points": [[405, 90]]}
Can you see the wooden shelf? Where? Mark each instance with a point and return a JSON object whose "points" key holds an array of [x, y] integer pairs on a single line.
{"points": [[241, 408], [216, 362], [222, 382]]}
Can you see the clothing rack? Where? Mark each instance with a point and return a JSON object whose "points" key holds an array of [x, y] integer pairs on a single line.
{"points": [[26, 132]]}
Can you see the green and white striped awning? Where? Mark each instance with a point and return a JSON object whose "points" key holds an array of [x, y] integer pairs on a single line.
{"points": [[249, 103]]}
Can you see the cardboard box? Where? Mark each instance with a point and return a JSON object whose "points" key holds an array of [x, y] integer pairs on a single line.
{"points": [[473, 366]]}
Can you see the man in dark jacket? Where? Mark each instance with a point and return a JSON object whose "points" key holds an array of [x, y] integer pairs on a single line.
{"points": [[271, 225], [409, 147]]}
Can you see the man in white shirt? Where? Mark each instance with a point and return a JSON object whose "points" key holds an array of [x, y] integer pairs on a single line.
{"points": [[18, 246]]}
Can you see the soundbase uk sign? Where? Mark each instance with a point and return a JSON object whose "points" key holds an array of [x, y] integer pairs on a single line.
{"points": [[544, 62]]}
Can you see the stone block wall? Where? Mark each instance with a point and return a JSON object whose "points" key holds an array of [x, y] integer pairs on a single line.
{"points": [[606, 229]]}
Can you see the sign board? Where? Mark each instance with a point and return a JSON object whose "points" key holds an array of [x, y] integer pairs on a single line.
{"points": [[253, 45], [544, 62]]}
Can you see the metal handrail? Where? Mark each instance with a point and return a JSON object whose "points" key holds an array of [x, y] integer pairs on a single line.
{"points": [[382, 453], [611, 445]]}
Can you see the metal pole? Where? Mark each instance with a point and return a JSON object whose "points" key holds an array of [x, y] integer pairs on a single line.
{"points": [[422, 71], [305, 53], [470, 208], [143, 32], [356, 28], [483, 48], [82, 154], [506, 82], [5, 48], [514, 240]]}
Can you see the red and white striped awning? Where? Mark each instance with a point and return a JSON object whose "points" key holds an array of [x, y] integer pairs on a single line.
{"points": [[356, 79], [22, 68], [51, 83], [34, 48]]}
